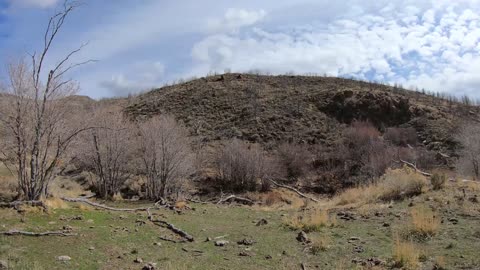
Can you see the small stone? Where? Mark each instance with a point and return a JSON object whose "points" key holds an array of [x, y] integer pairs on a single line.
{"points": [[262, 222], [122, 217], [91, 248], [246, 242], [221, 243], [354, 238], [3, 265], [358, 249], [138, 260], [90, 221], [209, 239], [50, 223], [302, 237], [244, 254], [63, 258], [158, 244], [268, 257], [385, 224], [150, 266]]}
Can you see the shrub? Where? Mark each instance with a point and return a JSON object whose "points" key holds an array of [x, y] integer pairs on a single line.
{"points": [[438, 181], [405, 254], [311, 222], [293, 159], [400, 184], [8, 188], [424, 222], [394, 185], [319, 244], [401, 136], [241, 165]]}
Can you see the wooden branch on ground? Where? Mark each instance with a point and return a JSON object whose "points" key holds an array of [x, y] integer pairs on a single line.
{"points": [[164, 238], [415, 168], [294, 190], [174, 229], [97, 205], [17, 204], [55, 233], [235, 198]]}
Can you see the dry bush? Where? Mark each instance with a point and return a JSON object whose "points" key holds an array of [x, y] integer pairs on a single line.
{"points": [[240, 166], [320, 244], [311, 222], [440, 263], [438, 181], [400, 184], [8, 188], [401, 136], [425, 223], [107, 151], [405, 254], [396, 184], [166, 157], [294, 159]]}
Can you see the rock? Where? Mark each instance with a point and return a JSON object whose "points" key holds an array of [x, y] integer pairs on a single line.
{"points": [[268, 257], [454, 221], [209, 239], [3, 265], [91, 248], [354, 238], [158, 244], [150, 266], [138, 260], [221, 243], [386, 224], [358, 249], [245, 254], [303, 238], [246, 242], [63, 258], [262, 222], [67, 228]]}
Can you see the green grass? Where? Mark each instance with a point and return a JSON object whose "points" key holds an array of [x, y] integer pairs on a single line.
{"points": [[275, 247]]}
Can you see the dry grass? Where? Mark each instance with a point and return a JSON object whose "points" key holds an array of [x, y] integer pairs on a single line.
{"points": [[405, 254], [320, 244], [8, 188], [440, 263], [65, 187], [425, 223], [396, 184], [56, 203], [311, 222]]}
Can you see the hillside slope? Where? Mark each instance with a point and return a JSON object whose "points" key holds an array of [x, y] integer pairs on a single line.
{"points": [[270, 109]]}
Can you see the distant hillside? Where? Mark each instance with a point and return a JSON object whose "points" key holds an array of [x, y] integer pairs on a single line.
{"points": [[270, 109]]}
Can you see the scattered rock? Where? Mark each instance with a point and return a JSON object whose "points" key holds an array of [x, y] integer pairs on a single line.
{"points": [[358, 249], [3, 265], [138, 260], [150, 266], [91, 248], [346, 215], [354, 238], [370, 262], [246, 242], [221, 243], [209, 239], [157, 244], [262, 222], [67, 228], [245, 254], [303, 238], [268, 257], [122, 217], [386, 224], [63, 258], [454, 221]]}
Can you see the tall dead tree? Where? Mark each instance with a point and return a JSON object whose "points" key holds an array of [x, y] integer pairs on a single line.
{"points": [[166, 156], [35, 131]]}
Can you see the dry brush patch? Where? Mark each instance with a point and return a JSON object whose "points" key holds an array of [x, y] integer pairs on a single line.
{"points": [[311, 222]]}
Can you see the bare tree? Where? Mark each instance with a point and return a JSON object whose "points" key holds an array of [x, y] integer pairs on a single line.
{"points": [[33, 117], [107, 151], [166, 156], [469, 160], [241, 166]]}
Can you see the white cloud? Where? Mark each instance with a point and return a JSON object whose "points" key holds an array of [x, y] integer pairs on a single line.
{"points": [[436, 48], [141, 76], [34, 3], [234, 19]]}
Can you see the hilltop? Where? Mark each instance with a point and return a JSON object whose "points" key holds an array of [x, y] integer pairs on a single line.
{"points": [[301, 109]]}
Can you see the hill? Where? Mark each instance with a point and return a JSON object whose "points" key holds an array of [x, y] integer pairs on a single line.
{"points": [[304, 109]]}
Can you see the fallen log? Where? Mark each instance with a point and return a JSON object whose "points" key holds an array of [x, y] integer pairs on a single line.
{"points": [[174, 229], [16, 204], [294, 190], [54, 233], [411, 165], [235, 198], [97, 205]]}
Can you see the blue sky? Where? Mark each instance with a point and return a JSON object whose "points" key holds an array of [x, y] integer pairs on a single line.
{"points": [[146, 43]]}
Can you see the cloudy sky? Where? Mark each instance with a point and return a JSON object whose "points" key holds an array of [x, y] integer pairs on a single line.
{"points": [[144, 43]]}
